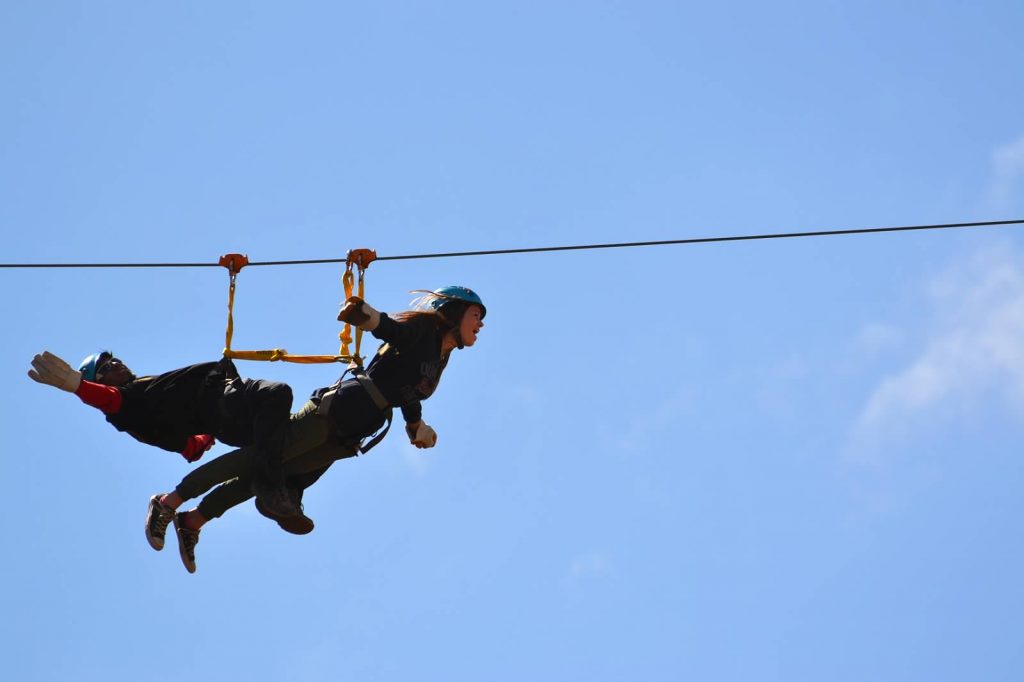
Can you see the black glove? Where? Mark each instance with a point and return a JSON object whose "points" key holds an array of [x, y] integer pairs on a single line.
{"points": [[357, 312]]}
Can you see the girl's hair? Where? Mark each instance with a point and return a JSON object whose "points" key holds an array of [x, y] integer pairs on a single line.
{"points": [[407, 315]]}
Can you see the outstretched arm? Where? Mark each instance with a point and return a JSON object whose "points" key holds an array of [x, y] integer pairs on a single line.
{"points": [[104, 398], [51, 370], [358, 312]]}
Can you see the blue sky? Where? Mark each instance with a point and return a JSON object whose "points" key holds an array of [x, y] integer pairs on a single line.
{"points": [[792, 460]]}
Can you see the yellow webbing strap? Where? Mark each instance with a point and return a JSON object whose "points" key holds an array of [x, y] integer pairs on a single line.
{"points": [[361, 258], [346, 331], [234, 262], [359, 332]]}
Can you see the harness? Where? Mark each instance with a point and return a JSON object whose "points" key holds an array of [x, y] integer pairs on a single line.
{"points": [[359, 374]]}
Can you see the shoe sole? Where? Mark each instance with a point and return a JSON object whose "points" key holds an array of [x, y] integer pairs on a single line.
{"points": [[154, 542], [300, 524], [296, 525]]}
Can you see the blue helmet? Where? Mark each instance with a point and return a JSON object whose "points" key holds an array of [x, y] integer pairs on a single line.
{"points": [[89, 365], [440, 298]]}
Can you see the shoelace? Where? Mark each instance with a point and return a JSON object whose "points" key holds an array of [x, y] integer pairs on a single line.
{"points": [[162, 519], [190, 538]]}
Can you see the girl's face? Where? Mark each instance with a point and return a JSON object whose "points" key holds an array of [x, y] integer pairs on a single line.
{"points": [[471, 325]]}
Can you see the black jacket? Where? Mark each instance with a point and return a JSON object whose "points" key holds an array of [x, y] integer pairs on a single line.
{"points": [[166, 409], [406, 369]]}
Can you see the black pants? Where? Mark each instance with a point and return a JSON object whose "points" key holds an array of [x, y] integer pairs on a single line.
{"points": [[255, 413], [312, 443], [310, 449]]}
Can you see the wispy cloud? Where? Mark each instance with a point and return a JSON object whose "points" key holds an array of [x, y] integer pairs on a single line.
{"points": [[1006, 190], [976, 350]]}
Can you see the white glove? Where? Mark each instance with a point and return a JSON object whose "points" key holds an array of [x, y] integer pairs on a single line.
{"points": [[421, 435], [50, 369]]}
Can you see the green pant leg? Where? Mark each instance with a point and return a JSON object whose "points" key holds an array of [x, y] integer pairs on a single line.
{"points": [[313, 446], [307, 432], [225, 496], [318, 458], [224, 468]]}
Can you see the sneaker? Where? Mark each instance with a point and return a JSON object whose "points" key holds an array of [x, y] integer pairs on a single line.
{"points": [[296, 524], [187, 541], [275, 499], [157, 517]]}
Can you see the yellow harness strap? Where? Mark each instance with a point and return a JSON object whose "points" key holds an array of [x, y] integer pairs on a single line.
{"points": [[346, 331], [361, 258], [234, 262]]}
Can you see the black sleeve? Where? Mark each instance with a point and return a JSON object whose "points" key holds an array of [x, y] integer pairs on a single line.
{"points": [[164, 410], [401, 335], [412, 412], [162, 436]]}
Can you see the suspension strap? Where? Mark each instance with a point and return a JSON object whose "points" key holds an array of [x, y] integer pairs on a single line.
{"points": [[361, 259], [234, 262]]}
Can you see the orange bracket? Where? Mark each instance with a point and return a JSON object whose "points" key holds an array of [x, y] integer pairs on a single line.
{"points": [[361, 258], [234, 262]]}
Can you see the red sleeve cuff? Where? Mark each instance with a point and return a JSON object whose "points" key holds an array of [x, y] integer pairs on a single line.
{"points": [[196, 446], [100, 396]]}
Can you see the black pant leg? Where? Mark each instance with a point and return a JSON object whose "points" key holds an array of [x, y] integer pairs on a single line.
{"points": [[269, 403]]}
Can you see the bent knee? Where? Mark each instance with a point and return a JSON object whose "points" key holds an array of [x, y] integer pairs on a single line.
{"points": [[278, 395]]}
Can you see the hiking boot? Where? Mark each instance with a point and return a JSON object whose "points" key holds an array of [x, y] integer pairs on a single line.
{"points": [[157, 517], [296, 524], [275, 499], [187, 541]]}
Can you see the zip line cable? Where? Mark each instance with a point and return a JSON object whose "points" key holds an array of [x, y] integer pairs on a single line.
{"points": [[541, 249]]}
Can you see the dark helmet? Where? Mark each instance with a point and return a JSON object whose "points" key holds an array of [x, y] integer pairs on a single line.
{"points": [[89, 365]]}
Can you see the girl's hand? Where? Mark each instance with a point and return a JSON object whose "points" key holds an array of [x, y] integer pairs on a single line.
{"points": [[357, 312], [421, 435]]}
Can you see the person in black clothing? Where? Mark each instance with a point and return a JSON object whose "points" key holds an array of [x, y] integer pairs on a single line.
{"points": [[185, 409], [336, 420]]}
